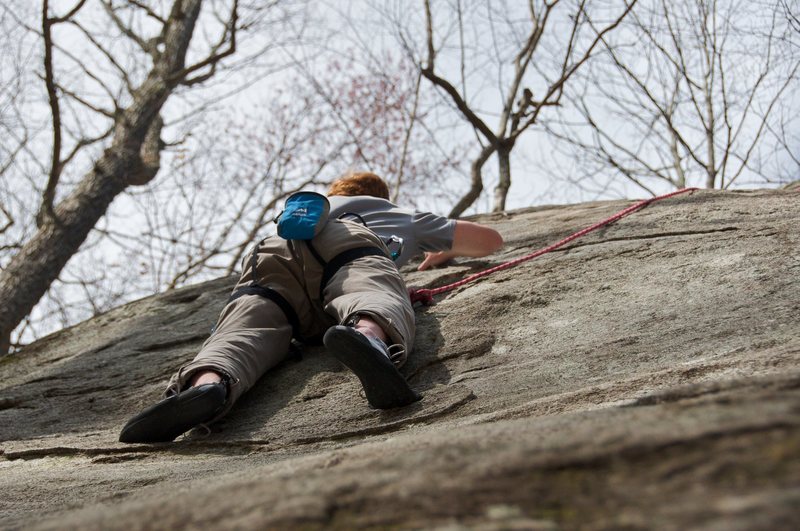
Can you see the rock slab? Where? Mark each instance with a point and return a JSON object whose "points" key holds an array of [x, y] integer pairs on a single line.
{"points": [[644, 376]]}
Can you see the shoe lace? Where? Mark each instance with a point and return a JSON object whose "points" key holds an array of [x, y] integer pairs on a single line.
{"points": [[396, 353], [207, 431]]}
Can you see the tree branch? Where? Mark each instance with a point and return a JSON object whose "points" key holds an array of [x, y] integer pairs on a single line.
{"points": [[407, 137], [149, 160], [567, 72], [9, 219], [215, 56], [476, 185], [521, 63], [99, 110], [46, 213], [762, 125], [83, 142], [69, 15], [123, 73], [150, 13], [430, 75], [147, 46]]}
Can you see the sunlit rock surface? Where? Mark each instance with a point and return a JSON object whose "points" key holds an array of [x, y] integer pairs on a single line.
{"points": [[644, 376]]}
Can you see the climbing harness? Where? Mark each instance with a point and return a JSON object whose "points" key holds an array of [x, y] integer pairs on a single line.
{"points": [[393, 243], [425, 295], [304, 216]]}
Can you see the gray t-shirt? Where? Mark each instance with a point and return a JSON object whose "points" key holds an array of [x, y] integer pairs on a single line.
{"points": [[420, 231]]}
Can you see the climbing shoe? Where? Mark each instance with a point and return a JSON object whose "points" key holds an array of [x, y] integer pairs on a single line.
{"points": [[176, 414], [368, 358]]}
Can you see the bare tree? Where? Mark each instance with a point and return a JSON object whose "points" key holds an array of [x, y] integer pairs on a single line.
{"points": [[686, 94], [131, 142], [506, 39]]}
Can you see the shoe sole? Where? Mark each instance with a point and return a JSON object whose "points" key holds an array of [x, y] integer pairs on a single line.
{"points": [[383, 384], [175, 415]]}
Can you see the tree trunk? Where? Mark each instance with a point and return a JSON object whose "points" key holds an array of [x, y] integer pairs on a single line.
{"points": [[31, 272], [477, 182], [504, 183], [131, 159]]}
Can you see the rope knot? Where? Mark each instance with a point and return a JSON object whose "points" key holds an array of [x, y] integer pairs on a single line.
{"points": [[420, 295]]}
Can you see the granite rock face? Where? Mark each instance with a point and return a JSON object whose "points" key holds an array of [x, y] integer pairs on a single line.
{"points": [[644, 376]]}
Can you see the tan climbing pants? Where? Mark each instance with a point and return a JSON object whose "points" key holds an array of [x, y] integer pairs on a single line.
{"points": [[253, 333]]}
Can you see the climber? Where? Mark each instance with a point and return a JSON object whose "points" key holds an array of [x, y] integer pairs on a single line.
{"points": [[347, 274]]}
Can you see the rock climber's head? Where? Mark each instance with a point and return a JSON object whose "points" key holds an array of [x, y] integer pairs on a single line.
{"points": [[361, 183]]}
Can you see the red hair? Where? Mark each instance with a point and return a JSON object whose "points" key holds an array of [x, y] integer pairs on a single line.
{"points": [[361, 183]]}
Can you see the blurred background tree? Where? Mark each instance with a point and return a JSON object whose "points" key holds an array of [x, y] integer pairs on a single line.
{"points": [[688, 93]]}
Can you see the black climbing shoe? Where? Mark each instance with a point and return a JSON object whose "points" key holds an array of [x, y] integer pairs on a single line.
{"points": [[176, 415], [369, 359]]}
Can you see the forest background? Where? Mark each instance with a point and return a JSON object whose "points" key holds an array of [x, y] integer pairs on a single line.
{"points": [[147, 144]]}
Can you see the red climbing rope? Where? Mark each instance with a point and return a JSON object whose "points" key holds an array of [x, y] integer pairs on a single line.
{"points": [[425, 295]]}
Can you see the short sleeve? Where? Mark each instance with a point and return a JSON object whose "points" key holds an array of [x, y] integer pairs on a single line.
{"points": [[432, 232]]}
